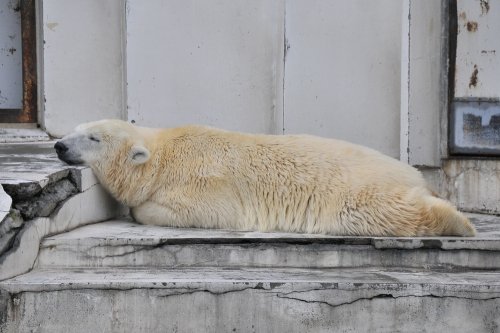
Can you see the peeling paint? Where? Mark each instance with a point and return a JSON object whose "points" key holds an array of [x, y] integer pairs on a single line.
{"points": [[485, 6], [52, 26], [473, 79], [14, 5], [471, 26]]}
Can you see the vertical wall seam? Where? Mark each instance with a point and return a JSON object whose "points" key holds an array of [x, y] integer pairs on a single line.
{"points": [[124, 61], [409, 82], [404, 149], [285, 50]]}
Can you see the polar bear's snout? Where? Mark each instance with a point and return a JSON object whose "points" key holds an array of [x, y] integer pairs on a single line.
{"points": [[65, 154], [60, 148]]}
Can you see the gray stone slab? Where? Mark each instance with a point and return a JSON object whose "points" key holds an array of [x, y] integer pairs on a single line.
{"points": [[486, 283], [26, 168], [127, 232], [124, 243], [11, 135], [250, 300]]}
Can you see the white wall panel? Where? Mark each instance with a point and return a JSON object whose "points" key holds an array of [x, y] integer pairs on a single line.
{"points": [[423, 89], [342, 70], [83, 67], [215, 62]]}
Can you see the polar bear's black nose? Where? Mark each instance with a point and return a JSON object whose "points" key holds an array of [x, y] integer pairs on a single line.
{"points": [[60, 147]]}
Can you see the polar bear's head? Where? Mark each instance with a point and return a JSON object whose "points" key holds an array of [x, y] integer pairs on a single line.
{"points": [[98, 143]]}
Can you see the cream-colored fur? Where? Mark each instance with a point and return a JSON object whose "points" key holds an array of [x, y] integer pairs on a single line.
{"points": [[204, 177]]}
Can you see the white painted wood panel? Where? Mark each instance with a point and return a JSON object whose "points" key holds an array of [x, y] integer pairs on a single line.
{"points": [[11, 84], [215, 62], [342, 71]]}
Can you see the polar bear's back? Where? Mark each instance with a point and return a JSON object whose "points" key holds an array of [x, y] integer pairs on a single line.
{"points": [[300, 183]]}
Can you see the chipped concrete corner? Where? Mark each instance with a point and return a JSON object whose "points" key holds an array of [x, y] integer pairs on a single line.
{"points": [[31, 201], [40, 196]]}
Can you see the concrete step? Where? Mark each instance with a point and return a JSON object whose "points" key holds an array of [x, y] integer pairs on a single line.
{"points": [[119, 276], [126, 244], [251, 300]]}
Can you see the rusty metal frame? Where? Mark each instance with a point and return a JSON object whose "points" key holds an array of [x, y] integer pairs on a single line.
{"points": [[28, 113]]}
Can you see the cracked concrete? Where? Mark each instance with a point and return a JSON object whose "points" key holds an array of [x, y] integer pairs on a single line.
{"points": [[51, 198], [253, 300], [124, 243], [472, 185], [9, 228], [43, 204]]}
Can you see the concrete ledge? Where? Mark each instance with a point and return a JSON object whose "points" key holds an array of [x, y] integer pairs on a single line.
{"points": [[27, 168], [251, 300], [127, 244], [21, 135], [51, 197]]}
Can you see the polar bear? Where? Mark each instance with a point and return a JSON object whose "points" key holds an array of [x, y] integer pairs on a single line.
{"points": [[197, 176]]}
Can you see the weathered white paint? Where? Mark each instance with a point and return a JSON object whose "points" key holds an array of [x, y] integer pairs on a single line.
{"points": [[342, 71], [208, 62], [477, 69], [421, 83], [83, 62], [11, 84]]}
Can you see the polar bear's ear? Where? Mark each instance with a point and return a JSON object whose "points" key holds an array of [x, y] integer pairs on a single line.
{"points": [[139, 154]]}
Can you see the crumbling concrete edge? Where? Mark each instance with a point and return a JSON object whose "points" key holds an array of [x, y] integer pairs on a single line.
{"points": [[5, 203], [90, 206]]}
